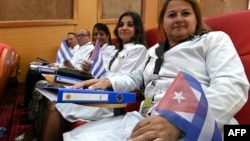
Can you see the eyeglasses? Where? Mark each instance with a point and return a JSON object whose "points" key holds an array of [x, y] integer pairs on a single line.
{"points": [[81, 35]]}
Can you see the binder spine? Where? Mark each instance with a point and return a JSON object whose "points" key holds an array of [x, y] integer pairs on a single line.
{"points": [[85, 97], [94, 96], [68, 80], [45, 70]]}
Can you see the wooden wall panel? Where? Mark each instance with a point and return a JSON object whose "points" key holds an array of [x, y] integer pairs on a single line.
{"points": [[32, 42], [216, 7], [14, 10], [106, 15]]}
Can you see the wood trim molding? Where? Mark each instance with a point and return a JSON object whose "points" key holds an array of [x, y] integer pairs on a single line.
{"points": [[36, 23]]}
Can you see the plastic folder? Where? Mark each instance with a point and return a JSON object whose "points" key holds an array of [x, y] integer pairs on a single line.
{"points": [[94, 96], [74, 73], [43, 69], [66, 79], [46, 69]]}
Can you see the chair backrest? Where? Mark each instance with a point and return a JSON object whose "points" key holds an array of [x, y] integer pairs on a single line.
{"points": [[236, 25], [114, 42], [9, 66], [15, 64], [153, 36], [5, 69]]}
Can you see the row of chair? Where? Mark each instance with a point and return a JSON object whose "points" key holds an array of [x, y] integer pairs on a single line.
{"points": [[9, 66]]}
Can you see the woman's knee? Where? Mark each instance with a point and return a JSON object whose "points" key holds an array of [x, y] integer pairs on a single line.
{"points": [[51, 107]]}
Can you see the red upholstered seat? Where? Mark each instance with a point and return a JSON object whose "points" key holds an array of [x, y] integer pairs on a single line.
{"points": [[153, 36], [5, 69], [9, 66], [236, 25]]}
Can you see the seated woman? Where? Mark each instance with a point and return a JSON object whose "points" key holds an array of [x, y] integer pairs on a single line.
{"points": [[132, 50], [101, 32], [190, 47]]}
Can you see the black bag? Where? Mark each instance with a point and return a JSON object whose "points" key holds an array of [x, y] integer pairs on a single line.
{"points": [[42, 61], [74, 73]]}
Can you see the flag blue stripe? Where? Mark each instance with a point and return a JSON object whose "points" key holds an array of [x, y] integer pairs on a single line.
{"points": [[95, 65], [192, 82], [216, 134], [95, 71], [62, 55], [97, 68], [65, 55], [201, 111], [63, 52], [66, 47], [100, 73], [58, 60], [200, 116]]}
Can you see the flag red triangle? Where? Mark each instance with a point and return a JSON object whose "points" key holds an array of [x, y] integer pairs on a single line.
{"points": [[187, 100]]}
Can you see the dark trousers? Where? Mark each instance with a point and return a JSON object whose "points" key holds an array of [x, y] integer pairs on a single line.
{"points": [[31, 78]]}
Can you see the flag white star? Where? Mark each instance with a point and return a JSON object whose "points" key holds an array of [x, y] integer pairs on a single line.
{"points": [[178, 96]]}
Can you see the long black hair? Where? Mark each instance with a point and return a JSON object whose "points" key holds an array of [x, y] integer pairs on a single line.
{"points": [[102, 27], [138, 38]]}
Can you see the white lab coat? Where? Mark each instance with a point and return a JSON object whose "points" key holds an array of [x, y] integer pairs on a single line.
{"points": [[108, 51], [74, 49], [83, 53], [211, 59], [128, 59]]}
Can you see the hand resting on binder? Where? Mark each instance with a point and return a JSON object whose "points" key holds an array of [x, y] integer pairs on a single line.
{"points": [[67, 94], [94, 84]]}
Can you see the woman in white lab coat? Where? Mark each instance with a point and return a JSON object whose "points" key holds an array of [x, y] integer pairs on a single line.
{"points": [[190, 47]]}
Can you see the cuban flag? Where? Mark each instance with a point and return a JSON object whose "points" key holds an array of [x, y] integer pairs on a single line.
{"points": [[97, 68], [63, 53], [185, 105]]}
